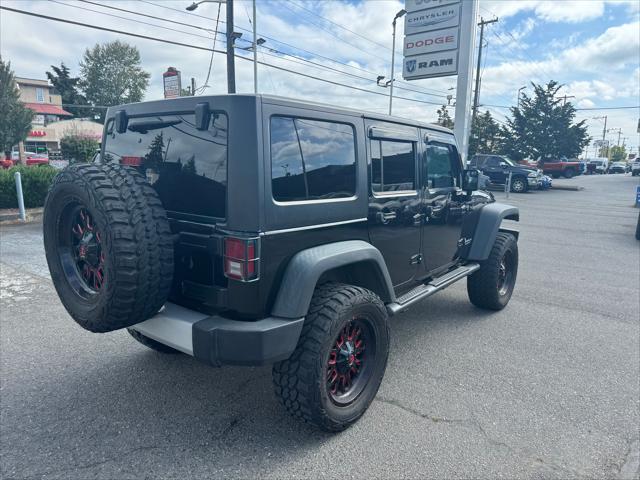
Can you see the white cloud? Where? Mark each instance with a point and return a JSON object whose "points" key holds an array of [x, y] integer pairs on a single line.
{"points": [[566, 11], [594, 69]]}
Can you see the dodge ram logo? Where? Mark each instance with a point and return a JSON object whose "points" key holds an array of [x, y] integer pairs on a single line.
{"points": [[411, 66]]}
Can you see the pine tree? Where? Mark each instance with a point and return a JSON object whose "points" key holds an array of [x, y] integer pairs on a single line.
{"points": [[155, 155], [67, 87], [542, 127], [444, 119], [485, 135]]}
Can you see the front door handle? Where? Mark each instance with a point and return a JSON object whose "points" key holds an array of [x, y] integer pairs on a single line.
{"points": [[417, 218], [386, 217]]}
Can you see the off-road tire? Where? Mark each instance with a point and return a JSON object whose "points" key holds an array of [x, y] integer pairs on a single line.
{"points": [[569, 173], [519, 185], [301, 381], [483, 285], [135, 239], [151, 343]]}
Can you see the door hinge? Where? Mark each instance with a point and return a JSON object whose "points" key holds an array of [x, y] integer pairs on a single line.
{"points": [[416, 259]]}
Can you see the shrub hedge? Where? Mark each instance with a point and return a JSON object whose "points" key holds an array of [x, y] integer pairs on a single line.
{"points": [[35, 184]]}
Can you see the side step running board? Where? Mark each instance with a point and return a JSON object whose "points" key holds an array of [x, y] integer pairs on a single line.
{"points": [[433, 286]]}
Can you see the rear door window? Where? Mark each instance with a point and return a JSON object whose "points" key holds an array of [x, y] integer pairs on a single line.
{"points": [[186, 166], [311, 159]]}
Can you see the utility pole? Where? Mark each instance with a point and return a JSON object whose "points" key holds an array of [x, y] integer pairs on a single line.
{"points": [[476, 95], [619, 130], [231, 61], [564, 101], [255, 50]]}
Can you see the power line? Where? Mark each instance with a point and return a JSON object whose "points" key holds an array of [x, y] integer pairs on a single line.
{"points": [[201, 89], [438, 93], [150, 16], [213, 51], [576, 109], [128, 19], [171, 42], [340, 26], [335, 35]]}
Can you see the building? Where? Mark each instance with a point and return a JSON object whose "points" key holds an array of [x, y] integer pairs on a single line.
{"points": [[51, 121]]}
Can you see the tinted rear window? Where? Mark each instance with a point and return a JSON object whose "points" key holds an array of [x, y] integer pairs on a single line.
{"points": [[186, 166]]}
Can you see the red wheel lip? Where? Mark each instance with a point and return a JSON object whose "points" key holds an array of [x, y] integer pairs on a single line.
{"points": [[346, 360], [87, 250]]}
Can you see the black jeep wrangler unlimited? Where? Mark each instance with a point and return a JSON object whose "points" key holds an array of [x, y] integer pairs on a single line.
{"points": [[249, 229]]}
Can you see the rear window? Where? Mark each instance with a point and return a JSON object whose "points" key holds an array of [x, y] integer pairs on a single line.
{"points": [[312, 159], [186, 166]]}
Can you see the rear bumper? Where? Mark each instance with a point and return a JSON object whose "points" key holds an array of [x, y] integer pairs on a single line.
{"points": [[220, 341]]}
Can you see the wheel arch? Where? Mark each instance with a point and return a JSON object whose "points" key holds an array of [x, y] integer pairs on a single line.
{"points": [[483, 226], [354, 261]]}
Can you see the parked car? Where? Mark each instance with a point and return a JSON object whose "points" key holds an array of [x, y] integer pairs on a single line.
{"points": [[545, 182], [562, 167], [498, 168], [635, 167], [598, 165], [266, 243], [31, 159], [618, 167]]}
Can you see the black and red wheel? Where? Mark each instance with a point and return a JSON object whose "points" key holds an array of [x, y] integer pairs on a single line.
{"points": [[335, 372], [108, 246], [80, 249], [492, 285]]}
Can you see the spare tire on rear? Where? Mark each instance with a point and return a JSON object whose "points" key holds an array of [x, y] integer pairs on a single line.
{"points": [[108, 245]]}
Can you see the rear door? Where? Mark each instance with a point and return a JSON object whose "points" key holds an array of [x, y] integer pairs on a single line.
{"points": [[394, 217], [493, 169]]}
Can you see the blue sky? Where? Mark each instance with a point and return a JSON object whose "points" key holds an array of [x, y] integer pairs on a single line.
{"points": [[591, 46]]}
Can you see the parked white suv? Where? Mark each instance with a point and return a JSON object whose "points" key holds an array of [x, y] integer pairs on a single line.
{"points": [[635, 167]]}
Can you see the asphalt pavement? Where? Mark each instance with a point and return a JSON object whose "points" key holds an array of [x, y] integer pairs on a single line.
{"points": [[547, 388]]}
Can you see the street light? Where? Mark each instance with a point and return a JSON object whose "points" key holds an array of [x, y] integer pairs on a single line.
{"points": [[393, 56], [231, 61]]}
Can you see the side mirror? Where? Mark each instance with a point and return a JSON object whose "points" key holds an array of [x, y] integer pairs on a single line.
{"points": [[470, 180]]}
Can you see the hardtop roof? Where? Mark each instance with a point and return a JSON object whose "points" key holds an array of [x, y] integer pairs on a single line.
{"points": [[277, 100]]}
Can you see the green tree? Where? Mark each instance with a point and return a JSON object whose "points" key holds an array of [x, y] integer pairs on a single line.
{"points": [[485, 135], [15, 118], [618, 154], [444, 119], [77, 147], [542, 127], [155, 155], [67, 87], [110, 74]]}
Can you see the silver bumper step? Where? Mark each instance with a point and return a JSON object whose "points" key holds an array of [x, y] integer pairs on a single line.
{"points": [[431, 287]]}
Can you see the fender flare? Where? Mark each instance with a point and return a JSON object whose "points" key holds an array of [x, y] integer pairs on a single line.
{"points": [[482, 226], [306, 267]]}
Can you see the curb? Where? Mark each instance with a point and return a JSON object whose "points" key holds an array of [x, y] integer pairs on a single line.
{"points": [[571, 188], [13, 218]]}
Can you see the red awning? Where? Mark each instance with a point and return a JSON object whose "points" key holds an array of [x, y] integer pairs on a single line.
{"points": [[47, 109]]}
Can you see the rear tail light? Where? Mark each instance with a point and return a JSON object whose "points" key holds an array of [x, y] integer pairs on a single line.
{"points": [[242, 258]]}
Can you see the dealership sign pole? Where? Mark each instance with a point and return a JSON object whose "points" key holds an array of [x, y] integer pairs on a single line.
{"points": [[439, 42]]}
